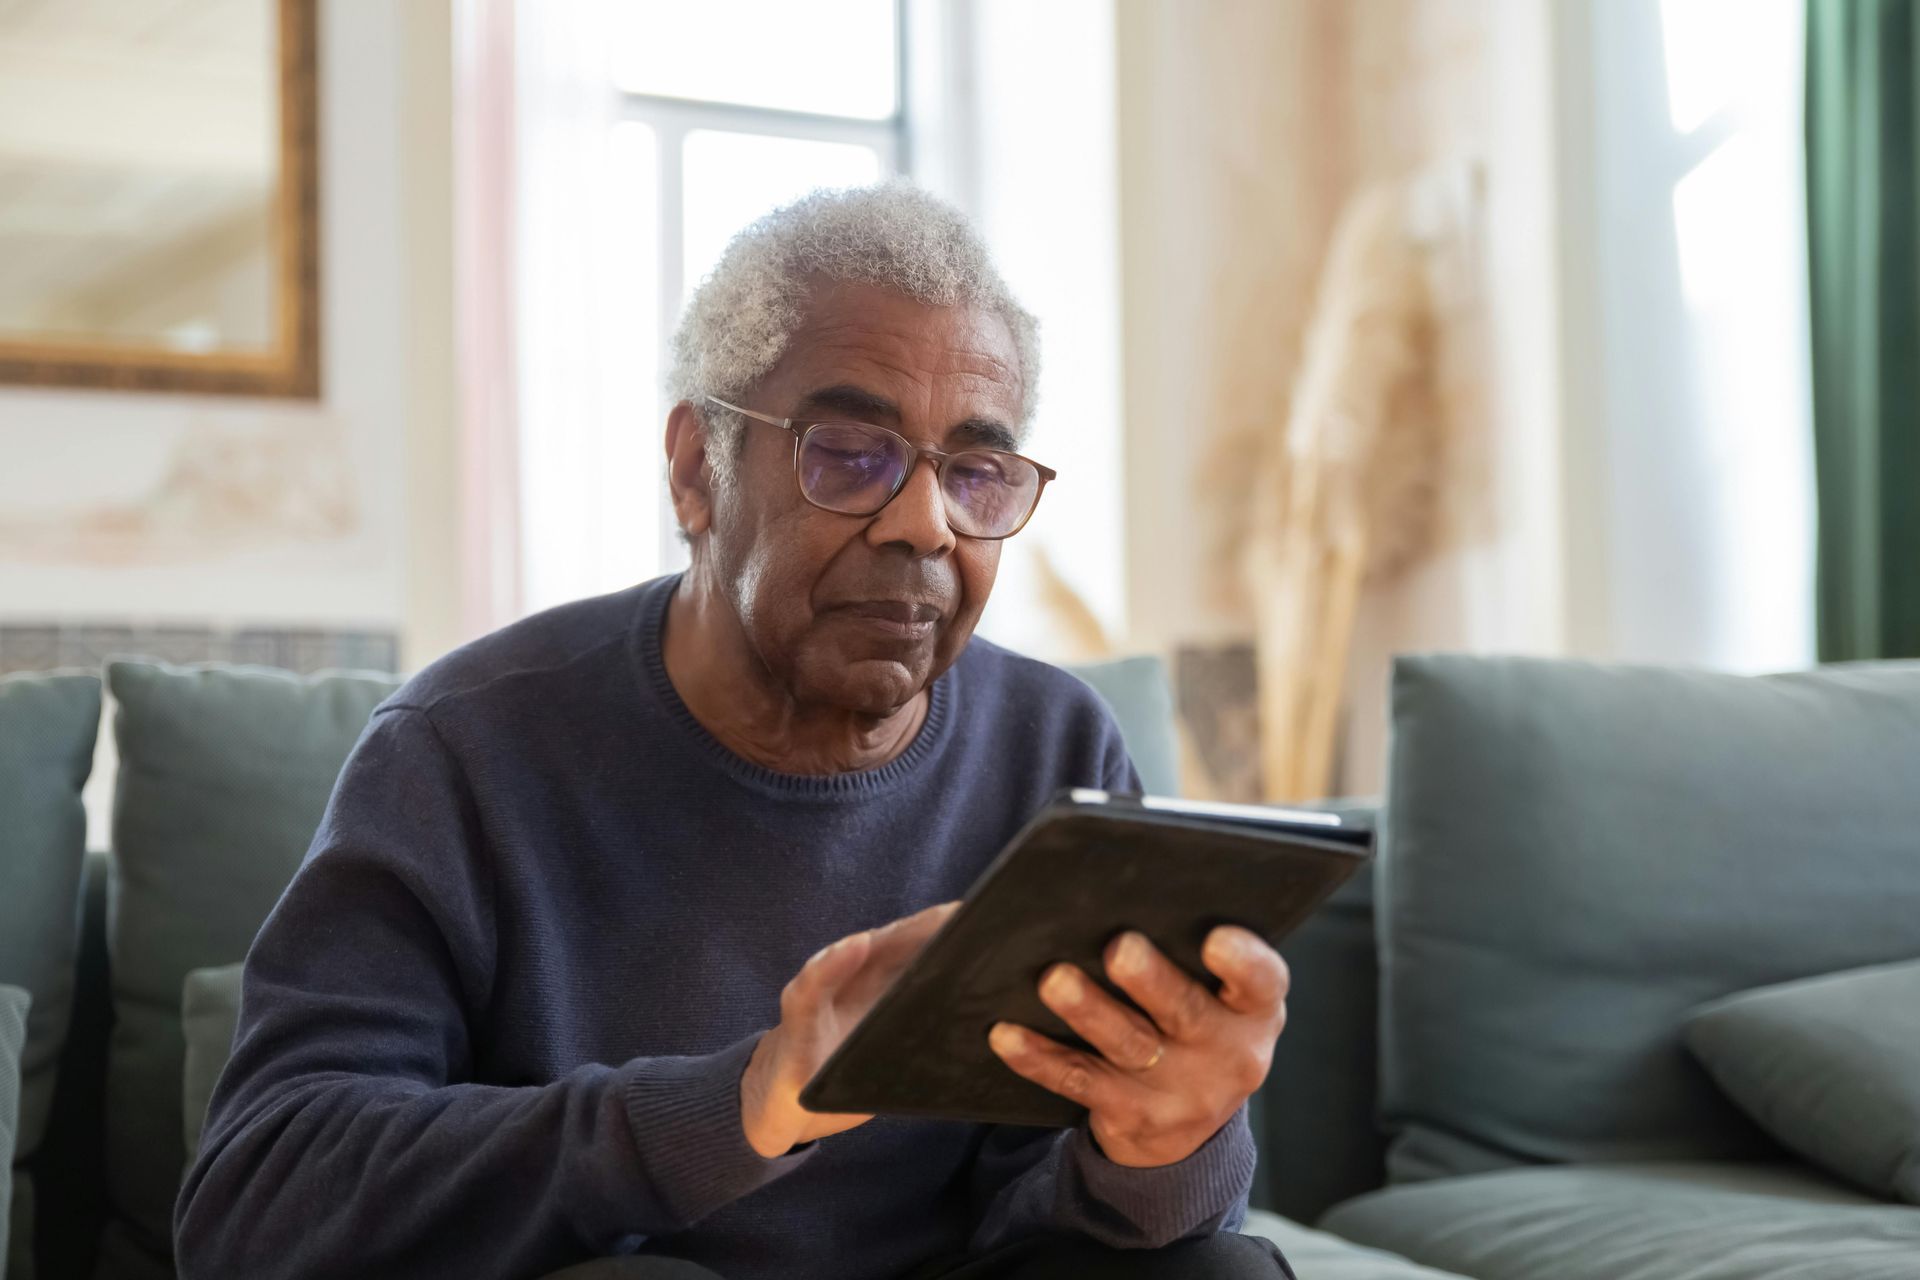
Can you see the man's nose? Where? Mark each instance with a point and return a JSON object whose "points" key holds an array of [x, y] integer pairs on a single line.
{"points": [[916, 519]]}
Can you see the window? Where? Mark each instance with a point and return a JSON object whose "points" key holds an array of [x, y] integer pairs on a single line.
{"points": [[1737, 166], [649, 133], [1689, 290]]}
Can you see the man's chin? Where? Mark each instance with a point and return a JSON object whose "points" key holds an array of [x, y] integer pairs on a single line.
{"points": [[880, 686], [870, 684]]}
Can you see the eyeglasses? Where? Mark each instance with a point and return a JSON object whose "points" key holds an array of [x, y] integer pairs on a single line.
{"points": [[855, 469]]}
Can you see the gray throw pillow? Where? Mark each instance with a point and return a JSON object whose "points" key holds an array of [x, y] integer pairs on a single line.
{"points": [[209, 1013], [223, 776], [1579, 855], [1830, 1066], [14, 1004], [47, 728]]}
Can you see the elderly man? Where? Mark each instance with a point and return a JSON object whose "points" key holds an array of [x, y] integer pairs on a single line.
{"points": [[596, 894]]}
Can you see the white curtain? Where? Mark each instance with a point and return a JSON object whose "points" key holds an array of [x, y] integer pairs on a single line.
{"points": [[587, 320]]}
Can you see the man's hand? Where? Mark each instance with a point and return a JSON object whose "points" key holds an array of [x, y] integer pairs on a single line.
{"points": [[1157, 1090], [831, 993]]}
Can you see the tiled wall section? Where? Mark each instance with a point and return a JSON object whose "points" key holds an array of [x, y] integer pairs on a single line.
{"points": [[29, 647]]}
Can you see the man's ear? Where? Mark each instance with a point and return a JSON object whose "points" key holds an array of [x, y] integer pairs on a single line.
{"points": [[688, 479]]}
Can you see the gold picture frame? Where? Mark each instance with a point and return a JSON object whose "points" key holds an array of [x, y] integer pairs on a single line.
{"points": [[291, 367]]}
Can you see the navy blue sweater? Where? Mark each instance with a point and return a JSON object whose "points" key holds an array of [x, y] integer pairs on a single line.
{"points": [[496, 1025]]}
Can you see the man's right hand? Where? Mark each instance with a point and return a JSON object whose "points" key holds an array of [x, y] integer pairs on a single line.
{"points": [[830, 994]]}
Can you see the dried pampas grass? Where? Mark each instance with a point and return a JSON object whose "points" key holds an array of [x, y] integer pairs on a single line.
{"points": [[1350, 489]]}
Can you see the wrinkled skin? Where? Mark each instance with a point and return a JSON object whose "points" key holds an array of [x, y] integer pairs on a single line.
{"points": [[805, 639]]}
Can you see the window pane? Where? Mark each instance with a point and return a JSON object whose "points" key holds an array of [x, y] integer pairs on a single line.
{"points": [[733, 178], [833, 57]]}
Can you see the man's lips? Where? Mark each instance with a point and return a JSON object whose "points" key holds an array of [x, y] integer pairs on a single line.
{"points": [[906, 619]]}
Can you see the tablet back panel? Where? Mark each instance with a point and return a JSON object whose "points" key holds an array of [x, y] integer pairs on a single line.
{"points": [[1075, 877]]}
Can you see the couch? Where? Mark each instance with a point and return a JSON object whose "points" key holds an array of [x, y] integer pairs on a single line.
{"points": [[1489, 1070], [1640, 999]]}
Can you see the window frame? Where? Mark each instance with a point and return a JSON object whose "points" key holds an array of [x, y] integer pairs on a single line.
{"points": [[672, 119]]}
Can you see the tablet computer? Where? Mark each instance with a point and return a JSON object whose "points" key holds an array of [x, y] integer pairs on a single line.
{"points": [[1088, 867]]}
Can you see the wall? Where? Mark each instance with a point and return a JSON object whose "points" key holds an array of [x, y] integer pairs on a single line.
{"points": [[158, 510], [1245, 127], [215, 510]]}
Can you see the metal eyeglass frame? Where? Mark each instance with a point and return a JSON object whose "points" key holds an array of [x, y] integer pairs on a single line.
{"points": [[940, 459]]}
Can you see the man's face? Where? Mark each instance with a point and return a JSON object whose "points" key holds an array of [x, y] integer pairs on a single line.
{"points": [[863, 612]]}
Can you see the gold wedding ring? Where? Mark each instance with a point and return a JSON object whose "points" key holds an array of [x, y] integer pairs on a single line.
{"points": [[1159, 1051]]}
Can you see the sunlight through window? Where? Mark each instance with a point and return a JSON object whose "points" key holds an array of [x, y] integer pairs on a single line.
{"points": [[1740, 239], [828, 57], [733, 178], [659, 131]]}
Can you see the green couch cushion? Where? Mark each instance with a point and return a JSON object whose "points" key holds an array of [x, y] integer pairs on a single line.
{"points": [[1830, 1066], [209, 1014], [47, 728], [1142, 703], [1578, 856], [224, 773], [1319, 1255], [1697, 1221], [15, 1003]]}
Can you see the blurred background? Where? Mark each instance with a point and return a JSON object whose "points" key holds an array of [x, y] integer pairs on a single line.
{"points": [[331, 333]]}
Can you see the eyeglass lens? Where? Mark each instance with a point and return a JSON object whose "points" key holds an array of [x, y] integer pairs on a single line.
{"points": [[856, 469]]}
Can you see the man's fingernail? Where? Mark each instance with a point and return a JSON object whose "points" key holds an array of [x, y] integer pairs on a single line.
{"points": [[1227, 944], [1006, 1038], [1061, 984], [1132, 955]]}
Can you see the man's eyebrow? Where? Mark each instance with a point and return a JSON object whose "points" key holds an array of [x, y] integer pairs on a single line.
{"points": [[983, 431], [867, 406], [846, 398]]}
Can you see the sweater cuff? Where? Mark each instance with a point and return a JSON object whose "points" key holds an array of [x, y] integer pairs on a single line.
{"points": [[685, 1118], [1173, 1201]]}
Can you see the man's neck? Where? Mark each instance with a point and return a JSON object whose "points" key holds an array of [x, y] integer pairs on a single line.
{"points": [[737, 700]]}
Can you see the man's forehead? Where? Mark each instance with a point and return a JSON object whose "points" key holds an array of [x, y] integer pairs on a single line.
{"points": [[861, 321], [881, 355]]}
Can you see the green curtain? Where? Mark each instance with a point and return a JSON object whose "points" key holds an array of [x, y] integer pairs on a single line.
{"points": [[1863, 231]]}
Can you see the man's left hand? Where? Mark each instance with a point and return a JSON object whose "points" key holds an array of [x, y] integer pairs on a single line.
{"points": [[1157, 1089]]}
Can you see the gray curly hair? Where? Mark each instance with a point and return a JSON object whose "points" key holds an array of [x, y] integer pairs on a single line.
{"points": [[893, 234]]}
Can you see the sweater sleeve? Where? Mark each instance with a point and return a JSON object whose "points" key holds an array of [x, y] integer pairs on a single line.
{"points": [[346, 1135], [1118, 774], [1030, 1181]]}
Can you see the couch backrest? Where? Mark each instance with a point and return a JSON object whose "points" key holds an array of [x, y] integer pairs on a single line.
{"points": [[47, 727], [1317, 1118], [1142, 702], [70, 1171], [1578, 855], [224, 772]]}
